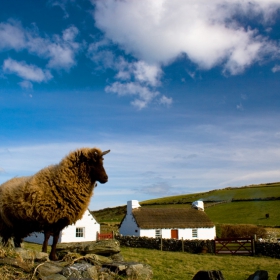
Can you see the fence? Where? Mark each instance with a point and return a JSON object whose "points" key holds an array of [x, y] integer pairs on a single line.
{"points": [[240, 246], [108, 235]]}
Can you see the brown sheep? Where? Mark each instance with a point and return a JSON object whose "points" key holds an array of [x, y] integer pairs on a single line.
{"points": [[52, 199]]}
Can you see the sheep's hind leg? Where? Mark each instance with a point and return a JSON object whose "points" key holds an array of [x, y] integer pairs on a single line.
{"points": [[17, 241]]}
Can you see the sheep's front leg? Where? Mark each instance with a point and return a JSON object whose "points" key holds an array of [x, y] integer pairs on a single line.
{"points": [[53, 256], [47, 235]]}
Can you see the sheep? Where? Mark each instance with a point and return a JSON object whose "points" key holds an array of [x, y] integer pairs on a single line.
{"points": [[52, 199]]}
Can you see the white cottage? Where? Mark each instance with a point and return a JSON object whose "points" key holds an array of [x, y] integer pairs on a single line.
{"points": [[175, 223], [85, 229]]}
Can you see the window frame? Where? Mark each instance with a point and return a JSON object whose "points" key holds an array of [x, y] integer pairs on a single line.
{"points": [[80, 232], [158, 233], [194, 233]]}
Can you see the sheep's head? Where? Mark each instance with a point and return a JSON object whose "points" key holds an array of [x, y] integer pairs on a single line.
{"points": [[94, 162]]}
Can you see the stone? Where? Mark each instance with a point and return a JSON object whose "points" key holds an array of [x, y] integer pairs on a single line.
{"points": [[102, 247], [133, 270], [97, 259], [93, 272], [117, 257], [16, 263], [78, 271], [259, 275], [209, 275], [27, 256], [54, 277], [30, 256], [139, 271], [49, 268], [41, 257]]}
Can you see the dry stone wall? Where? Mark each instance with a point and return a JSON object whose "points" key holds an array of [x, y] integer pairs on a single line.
{"points": [[269, 249], [190, 246]]}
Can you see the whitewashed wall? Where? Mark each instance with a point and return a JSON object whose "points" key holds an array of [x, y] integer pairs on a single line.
{"points": [[68, 234], [129, 226], [202, 233], [91, 229]]}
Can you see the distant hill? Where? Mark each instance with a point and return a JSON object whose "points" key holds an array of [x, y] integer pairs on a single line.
{"points": [[240, 205]]}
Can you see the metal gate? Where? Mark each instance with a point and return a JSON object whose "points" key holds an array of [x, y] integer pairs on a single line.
{"points": [[235, 246]]}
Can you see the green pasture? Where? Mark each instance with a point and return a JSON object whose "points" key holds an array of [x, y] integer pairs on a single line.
{"points": [[249, 212], [179, 265], [250, 192], [245, 212]]}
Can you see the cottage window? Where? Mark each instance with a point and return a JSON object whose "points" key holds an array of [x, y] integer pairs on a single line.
{"points": [[158, 233], [194, 232], [80, 232]]}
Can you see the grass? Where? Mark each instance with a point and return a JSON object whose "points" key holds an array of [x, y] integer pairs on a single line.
{"points": [[245, 212], [178, 265], [249, 212], [246, 192]]}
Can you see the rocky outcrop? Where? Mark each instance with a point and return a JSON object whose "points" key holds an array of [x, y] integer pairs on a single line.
{"points": [[88, 260]]}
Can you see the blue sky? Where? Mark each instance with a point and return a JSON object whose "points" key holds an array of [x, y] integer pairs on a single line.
{"points": [[186, 94]]}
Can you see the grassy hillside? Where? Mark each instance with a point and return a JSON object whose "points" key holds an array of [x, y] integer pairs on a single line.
{"points": [[246, 205], [249, 212], [247, 192]]}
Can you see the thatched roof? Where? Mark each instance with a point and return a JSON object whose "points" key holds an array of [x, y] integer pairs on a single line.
{"points": [[156, 218]]}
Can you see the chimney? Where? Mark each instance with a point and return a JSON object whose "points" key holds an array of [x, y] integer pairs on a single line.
{"points": [[199, 205], [132, 204]]}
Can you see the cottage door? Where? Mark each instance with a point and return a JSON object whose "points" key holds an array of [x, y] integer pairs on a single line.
{"points": [[174, 233]]}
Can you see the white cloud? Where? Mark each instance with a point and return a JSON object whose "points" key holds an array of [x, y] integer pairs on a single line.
{"points": [[276, 68], [144, 94], [25, 71], [12, 36], [142, 166], [240, 107], [60, 51], [26, 85], [159, 31], [165, 100], [136, 78]]}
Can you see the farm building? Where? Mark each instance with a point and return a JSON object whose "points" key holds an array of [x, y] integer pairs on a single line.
{"points": [[178, 223], [85, 229]]}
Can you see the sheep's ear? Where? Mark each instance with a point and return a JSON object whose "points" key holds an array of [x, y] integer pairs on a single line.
{"points": [[83, 157], [95, 156]]}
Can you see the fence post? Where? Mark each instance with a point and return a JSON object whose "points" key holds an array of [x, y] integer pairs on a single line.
{"points": [[253, 244], [161, 243], [183, 245]]}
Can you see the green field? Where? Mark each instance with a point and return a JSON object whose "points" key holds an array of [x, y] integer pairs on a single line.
{"points": [[241, 212], [179, 265], [249, 192], [249, 212]]}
